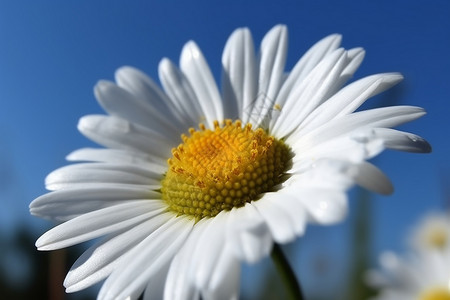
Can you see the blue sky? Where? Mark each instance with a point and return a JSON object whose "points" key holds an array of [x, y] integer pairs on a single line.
{"points": [[53, 52]]}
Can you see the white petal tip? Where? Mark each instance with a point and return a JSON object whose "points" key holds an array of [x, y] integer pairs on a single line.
{"points": [[386, 190], [190, 51], [335, 37], [40, 244], [387, 80], [332, 39], [280, 27], [165, 64], [240, 31], [33, 212], [72, 285], [124, 70], [422, 146], [83, 124], [278, 30], [395, 76], [102, 86], [42, 247], [420, 111], [72, 156], [358, 52]]}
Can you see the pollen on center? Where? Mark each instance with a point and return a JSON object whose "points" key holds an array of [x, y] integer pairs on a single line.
{"points": [[222, 168], [436, 293]]}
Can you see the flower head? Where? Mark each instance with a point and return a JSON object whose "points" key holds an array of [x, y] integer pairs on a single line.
{"points": [[192, 181], [432, 233], [423, 273], [419, 275]]}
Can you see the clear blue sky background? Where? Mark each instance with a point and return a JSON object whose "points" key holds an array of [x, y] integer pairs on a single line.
{"points": [[53, 52]]}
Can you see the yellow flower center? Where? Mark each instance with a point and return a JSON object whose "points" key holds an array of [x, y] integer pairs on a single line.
{"points": [[215, 170], [437, 238], [438, 293]]}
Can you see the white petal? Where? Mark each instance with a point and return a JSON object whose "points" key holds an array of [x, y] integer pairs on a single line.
{"points": [[97, 223], [101, 259], [312, 91], [206, 264], [213, 267], [118, 133], [179, 283], [357, 146], [308, 62], [349, 99], [378, 117], [155, 287], [303, 67], [385, 116], [294, 210], [323, 173], [370, 177], [324, 206], [271, 67], [239, 75], [403, 141], [363, 173], [208, 250], [194, 66], [355, 56], [65, 204], [178, 88], [321, 83], [144, 89], [61, 212], [247, 234], [122, 103], [390, 262], [224, 282], [377, 279], [117, 156], [284, 223], [149, 259], [88, 173]]}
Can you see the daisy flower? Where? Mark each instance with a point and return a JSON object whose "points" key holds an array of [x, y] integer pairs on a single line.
{"points": [[419, 276], [192, 181], [422, 274], [432, 232]]}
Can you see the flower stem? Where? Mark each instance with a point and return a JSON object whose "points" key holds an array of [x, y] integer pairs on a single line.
{"points": [[286, 273]]}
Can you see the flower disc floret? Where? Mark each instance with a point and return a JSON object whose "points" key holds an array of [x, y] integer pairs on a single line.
{"points": [[438, 293], [222, 168], [438, 238]]}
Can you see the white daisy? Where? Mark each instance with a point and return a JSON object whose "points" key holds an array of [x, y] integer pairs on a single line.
{"points": [[179, 215], [423, 274], [432, 232], [420, 276]]}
